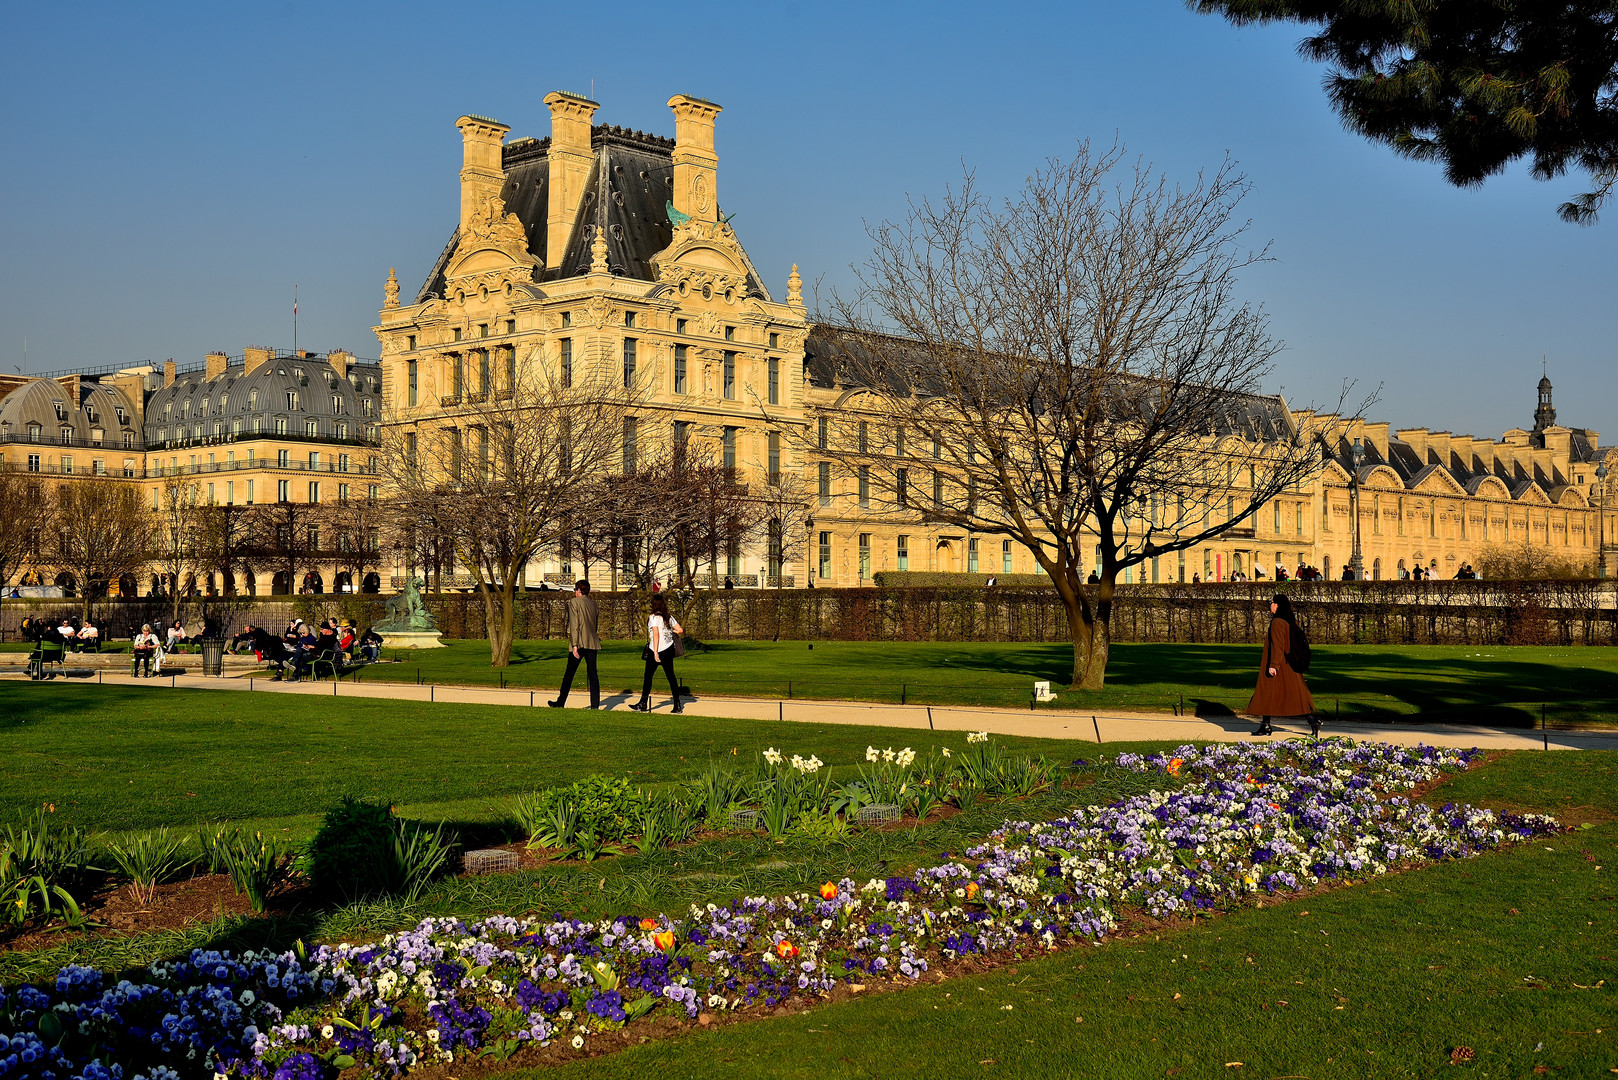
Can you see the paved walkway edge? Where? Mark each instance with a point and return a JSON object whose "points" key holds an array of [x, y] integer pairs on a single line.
{"points": [[1094, 728]]}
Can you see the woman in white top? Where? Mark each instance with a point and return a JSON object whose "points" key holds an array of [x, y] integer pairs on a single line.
{"points": [[143, 648], [661, 634]]}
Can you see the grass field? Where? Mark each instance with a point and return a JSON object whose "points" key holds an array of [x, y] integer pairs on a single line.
{"points": [[108, 758], [1504, 685], [1513, 954]]}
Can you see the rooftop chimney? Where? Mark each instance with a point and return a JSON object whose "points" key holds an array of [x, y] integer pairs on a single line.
{"points": [[695, 163], [340, 359], [256, 357], [168, 373], [213, 365], [482, 174], [570, 159]]}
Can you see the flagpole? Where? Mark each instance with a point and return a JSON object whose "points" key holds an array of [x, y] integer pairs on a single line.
{"points": [[294, 320]]}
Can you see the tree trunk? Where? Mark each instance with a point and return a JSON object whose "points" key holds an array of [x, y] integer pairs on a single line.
{"points": [[1095, 670], [1078, 628]]}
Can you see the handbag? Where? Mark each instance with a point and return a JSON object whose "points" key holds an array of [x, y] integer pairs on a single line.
{"points": [[679, 645]]}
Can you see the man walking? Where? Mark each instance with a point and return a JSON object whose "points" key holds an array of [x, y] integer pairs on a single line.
{"points": [[582, 616]]}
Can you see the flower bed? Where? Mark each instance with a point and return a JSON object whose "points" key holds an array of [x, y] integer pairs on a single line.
{"points": [[1230, 823]]}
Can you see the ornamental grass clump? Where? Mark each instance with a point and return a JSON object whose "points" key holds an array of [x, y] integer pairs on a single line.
{"points": [[41, 868], [257, 866], [588, 815], [363, 850], [148, 859]]}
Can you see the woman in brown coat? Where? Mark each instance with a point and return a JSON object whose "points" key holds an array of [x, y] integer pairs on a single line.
{"points": [[1281, 690]]}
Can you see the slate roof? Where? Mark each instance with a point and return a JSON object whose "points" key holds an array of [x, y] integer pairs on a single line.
{"points": [[627, 192], [833, 359]]}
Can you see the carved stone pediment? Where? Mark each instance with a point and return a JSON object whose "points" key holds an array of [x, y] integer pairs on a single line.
{"points": [[492, 251], [704, 259]]}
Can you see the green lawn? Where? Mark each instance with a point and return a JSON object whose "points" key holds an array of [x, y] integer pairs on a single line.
{"points": [[119, 757], [1505, 953], [1504, 685]]}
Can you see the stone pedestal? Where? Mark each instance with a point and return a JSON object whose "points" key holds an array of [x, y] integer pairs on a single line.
{"points": [[409, 639]]}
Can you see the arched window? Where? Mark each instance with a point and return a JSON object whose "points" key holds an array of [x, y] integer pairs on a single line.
{"points": [[1376, 569]]}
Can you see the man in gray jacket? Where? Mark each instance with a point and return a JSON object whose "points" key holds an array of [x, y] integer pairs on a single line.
{"points": [[582, 616]]}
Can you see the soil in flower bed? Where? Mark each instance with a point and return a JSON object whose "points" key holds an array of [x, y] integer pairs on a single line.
{"points": [[113, 911]]}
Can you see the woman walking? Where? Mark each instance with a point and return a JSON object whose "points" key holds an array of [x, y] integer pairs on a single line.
{"points": [[1281, 690], [662, 633]]}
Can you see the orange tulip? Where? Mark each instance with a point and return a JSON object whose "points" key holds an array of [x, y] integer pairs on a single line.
{"points": [[648, 924], [1174, 766], [971, 890], [785, 950], [664, 940], [828, 891]]}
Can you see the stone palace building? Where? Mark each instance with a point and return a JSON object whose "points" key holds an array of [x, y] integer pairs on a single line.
{"points": [[603, 246]]}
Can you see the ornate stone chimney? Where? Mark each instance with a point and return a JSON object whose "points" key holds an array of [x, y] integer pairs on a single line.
{"points": [[696, 166], [482, 173], [213, 365], [570, 159]]}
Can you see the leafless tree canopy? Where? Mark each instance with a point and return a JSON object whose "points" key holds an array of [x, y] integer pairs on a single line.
{"points": [[102, 533], [494, 482], [1072, 368], [25, 510]]}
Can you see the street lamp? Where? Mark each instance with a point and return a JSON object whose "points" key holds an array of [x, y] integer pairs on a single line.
{"points": [[1601, 521], [1356, 562]]}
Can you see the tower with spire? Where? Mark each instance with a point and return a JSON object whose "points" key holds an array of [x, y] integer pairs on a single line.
{"points": [[1544, 413]]}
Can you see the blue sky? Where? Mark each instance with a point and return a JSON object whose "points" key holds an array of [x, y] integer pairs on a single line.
{"points": [[171, 171]]}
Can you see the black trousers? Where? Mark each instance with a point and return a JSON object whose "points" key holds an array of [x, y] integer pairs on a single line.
{"points": [[589, 658], [666, 662]]}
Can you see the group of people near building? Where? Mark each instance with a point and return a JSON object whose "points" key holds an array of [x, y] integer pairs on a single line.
{"points": [[71, 633], [303, 644]]}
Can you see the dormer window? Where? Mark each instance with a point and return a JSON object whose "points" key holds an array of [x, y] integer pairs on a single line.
{"points": [[292, 400], [118, 411], [90, 413], [280, 425], [224, 403], [252, 398], [204, 410], [67, 436], [185, 409], [337, 404], [311, 427], [297, 373], [168, 410], [33, 432], [368, 407], [61, 414]]}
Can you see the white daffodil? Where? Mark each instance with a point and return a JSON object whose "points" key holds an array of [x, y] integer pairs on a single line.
{"points": [[872, 753]]}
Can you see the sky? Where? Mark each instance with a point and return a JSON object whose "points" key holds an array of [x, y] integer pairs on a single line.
{"points": [[169, 173]]}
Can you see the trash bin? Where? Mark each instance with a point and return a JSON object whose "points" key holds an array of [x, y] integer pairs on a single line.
{"points": [[213, 656]]}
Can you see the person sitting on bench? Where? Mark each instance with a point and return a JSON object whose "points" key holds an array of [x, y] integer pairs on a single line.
{"points": [[143, 649]]}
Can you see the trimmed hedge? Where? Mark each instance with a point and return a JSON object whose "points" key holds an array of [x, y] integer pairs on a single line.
{"points": [[1333, 612], [910, 579]]}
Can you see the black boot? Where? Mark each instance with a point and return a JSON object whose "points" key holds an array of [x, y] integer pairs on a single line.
{"points": [[1314, 725], [555, 704], [1264, 728], [639, 706]]}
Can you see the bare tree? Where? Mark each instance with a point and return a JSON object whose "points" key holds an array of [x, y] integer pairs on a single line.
{"points": [[285, 538], [515, 462], [176, 532], [25, 510], [356, 528], [1072, 369], [102, 533], [224, 542]]}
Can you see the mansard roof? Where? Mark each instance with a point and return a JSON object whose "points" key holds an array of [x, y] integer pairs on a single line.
{"points": [[626, 195], [841, 358], [94, 407], [194, 406]]}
